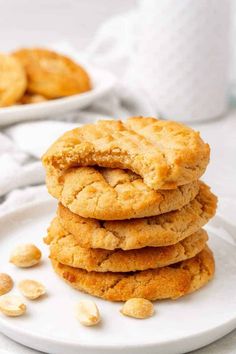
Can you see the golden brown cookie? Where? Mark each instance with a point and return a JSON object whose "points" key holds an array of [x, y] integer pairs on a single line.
{"points": [[161, 283], [66, 250], [114, 194], [51, 74], [165, 154], [32, 98], [161, 230], [12, 80]]}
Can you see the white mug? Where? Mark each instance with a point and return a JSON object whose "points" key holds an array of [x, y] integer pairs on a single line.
{"points": [[182, 55]]}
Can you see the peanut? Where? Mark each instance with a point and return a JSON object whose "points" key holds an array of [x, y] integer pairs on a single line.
{"points": [[25, 255], [87, 313], [138, 308], [6, 283], [11, 305], [31, 289]]}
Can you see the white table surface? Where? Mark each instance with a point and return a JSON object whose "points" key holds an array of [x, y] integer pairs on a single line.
{"points": [[221, 175]]}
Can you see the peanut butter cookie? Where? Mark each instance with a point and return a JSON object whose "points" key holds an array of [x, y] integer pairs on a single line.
{"points": [[32, 98], [160, 283], [51, 74], [114, 194], [165, 154], [161, 230], [12, 80], [66, 250]]}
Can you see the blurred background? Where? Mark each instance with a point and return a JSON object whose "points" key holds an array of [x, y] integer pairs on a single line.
{"points": [[78, 23], [28, 22]]}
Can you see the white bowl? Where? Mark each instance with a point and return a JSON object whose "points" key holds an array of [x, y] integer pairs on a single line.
{"points": [[102, 82]]}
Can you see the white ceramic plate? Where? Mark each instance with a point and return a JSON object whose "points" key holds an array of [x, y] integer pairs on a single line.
{"points": [[50, 325], [102, 82]]}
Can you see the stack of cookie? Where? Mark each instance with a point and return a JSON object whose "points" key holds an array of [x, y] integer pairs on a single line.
{"points": [[131, 209]]}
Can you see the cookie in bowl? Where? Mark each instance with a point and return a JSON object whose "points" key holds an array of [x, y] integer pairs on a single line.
{"points": [[51, 74]]}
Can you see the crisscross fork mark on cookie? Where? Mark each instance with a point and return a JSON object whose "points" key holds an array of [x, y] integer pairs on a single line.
{"points": [[164, 153]]}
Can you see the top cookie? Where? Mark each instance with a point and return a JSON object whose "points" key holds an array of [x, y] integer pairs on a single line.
{"points": [[165, 154], [51, 74]]}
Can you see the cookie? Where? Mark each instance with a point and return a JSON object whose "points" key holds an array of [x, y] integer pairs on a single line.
{"points": [[114, 194], [51, 74], [12, 80], [165, 154], [32, 98], [66, 250], [162, 230], [160, 283]]}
